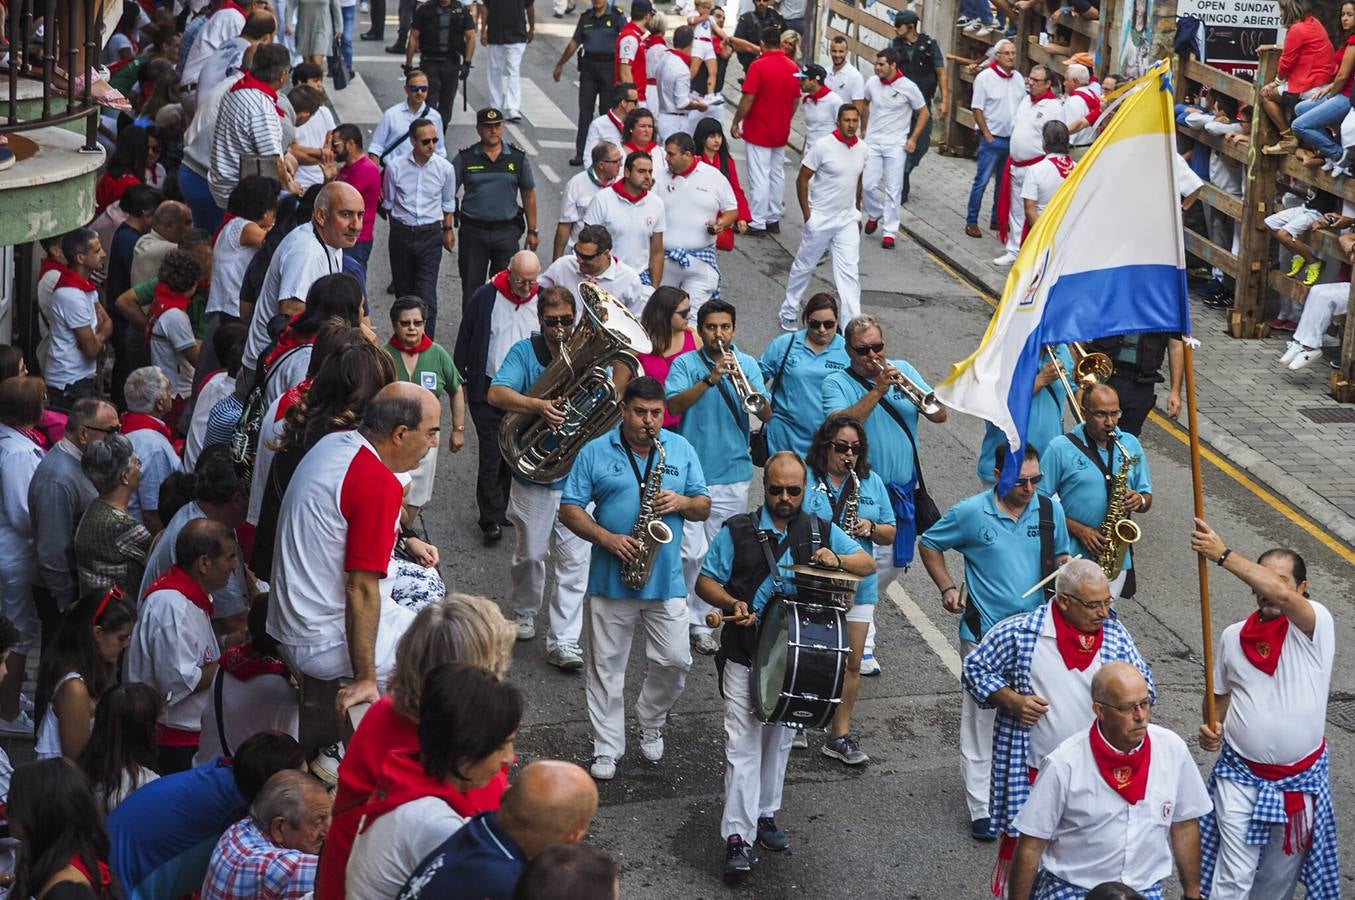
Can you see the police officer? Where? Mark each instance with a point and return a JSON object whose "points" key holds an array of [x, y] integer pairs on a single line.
{"points": [[921, 61], [753, 23], [443, 34], [1138, 371], [597, 33], [498, 202]]}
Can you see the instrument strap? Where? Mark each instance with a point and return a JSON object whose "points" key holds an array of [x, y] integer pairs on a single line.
{"points": [[741, 421], [771, 553], [641, 480], [776, 382], [903, 423], [541, 348], [1107, 467], [1046, 540], [839, 503]]}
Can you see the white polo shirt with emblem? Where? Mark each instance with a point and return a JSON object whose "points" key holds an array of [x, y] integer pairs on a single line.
{"points": [[631, 223], [692, 201], [891, 111]]}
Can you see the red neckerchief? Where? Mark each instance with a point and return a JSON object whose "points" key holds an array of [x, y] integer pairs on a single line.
{"points": [[1126, 773], [250, 83], [620, 187], [231, 4], [101, 885], [1093, 102], [837, 133], [417, 348], [1063, 163], [71, 278], [618, 123], [291, 398], [998, 69], [35, 436], [696, 161], [502, 285], [633, 147], [655, 39], [288, 340], [178, 579], [402, 779], [166, 298], [1298, 831], [685, 57], [817, 95], [245, 663], [1077, 648], [897, 75], [135, 421], [50, 265], [1047, 95], [1262, 641]]}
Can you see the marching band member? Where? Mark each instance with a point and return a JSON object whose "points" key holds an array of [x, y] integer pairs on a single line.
{"points": [[1084, 480], [715, 422], [592, 261], [1272, 824], [1036, 671], [737, 578], [1118, 802], [534, 508], [839, 445], [795, 365], [1048, 400], [616, 471], [699, 204], [1008, 544]]}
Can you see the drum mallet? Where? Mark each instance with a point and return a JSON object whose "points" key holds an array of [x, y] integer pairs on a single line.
{"points": [[715, 620]]}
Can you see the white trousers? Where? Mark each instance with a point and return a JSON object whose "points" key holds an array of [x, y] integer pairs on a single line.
{"points": [[1324, 301], [669, 124], [422, 479], [766, 183], [16, 601], [611, 627], [881, 183], [1244, 871], [505, 77], [333, 662], [822, 233], [699, 280], [534, 511], [888, 573], [1016, 215], [976, 749], [725, 500], [755, 758]]}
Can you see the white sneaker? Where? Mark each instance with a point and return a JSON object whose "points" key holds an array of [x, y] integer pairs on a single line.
{"points": [[1005, 259], [985, 30], [800, 741], [1301, 359], [705, 643], [870, 666], [526, 628], [973, 26], [1290, 352], [651, 743], [790, 325], [21, 724], [565, 656], [603, 768], [325, 766]]}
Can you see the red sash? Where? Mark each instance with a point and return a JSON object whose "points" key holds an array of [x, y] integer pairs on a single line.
{"points": [[169, 736], [1078, 648], [1006, 852], [1004, 195], [1263, 640], [178, 579], [166, 298], [1298, 831], [1126, 773], [503, 286], [417, 348]]}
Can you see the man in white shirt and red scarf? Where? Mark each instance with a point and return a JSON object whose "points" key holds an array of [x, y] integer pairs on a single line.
{"points": [[1036, 669], [1273, 823], [1040, 105], [1117, 802]]}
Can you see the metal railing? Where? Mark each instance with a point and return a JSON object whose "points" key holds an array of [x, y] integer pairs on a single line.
{"points": [[37, 58]]}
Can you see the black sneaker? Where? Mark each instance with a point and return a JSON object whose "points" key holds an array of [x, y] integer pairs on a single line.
{"points": [[371, 36], [773, 227], [981, 830], [738, 859], [492, 535], [576, 161], [771, 837]]}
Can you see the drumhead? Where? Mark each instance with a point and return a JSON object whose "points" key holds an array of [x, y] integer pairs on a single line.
{"points": [[769, 663]]}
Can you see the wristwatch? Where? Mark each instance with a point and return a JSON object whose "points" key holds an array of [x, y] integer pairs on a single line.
{"points": [[532, 231], [458, 428], [708, 381]]}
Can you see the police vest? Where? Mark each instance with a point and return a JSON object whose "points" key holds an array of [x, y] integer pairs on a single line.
{"points": [[918, 62], [1136, 356]]}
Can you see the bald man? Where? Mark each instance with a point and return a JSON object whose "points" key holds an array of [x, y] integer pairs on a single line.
{"points": [[550, 803], [498, 314], [1117, 802]]}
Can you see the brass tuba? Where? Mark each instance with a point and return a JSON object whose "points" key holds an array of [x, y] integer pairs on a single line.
{"points": [[579, 382]]}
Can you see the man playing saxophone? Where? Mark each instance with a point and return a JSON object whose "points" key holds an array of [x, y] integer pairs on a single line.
{"points": [[1085, 467], [614, 471]]}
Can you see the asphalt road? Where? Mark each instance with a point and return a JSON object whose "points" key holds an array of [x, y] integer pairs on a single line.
{"points": [[896, 827]]}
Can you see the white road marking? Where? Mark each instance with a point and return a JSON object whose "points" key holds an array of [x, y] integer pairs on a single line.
{"points": [[930, 633], [557, 145], [355, 103], [540, 110], [520, 139], [549, 173]]}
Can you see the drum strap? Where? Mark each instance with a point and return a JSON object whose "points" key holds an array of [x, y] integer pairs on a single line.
{"points": [[1046, 541]]}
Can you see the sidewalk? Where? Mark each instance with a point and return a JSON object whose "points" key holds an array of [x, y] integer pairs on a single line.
{"points": [[1264, 419]]}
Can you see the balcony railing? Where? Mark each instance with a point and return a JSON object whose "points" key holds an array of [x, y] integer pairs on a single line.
{"points": [[69, 41]]}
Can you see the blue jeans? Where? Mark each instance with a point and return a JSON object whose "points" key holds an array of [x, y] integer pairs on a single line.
{"points": [[198, 195], [349, 14], [978, 9], [992, 159], [1312, 118]]}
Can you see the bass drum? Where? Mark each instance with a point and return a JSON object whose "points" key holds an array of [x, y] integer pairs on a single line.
{"points": [[800, 662]]}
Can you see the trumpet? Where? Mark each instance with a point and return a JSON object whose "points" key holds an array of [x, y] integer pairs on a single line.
{"points": [[926, 402], [753, 402]]}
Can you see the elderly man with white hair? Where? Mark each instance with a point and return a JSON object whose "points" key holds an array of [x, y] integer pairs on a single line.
{"points": [[275, 850], [1081, 108], [149, 399], [1036, 670]]}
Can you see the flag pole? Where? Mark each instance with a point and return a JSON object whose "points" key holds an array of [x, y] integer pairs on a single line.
{"points": [[1197, 482]]}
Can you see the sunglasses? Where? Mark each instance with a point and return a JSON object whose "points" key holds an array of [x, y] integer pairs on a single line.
{"points": [[417, 88], [114, 595], [557, 321], [1032, 481], [819, 325], [684, 312], [844, 447], [427, 142], [869, 348], [792, 490], [116, 429], [410, 323], [586, 257]]}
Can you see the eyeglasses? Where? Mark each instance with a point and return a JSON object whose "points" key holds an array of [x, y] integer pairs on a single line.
{"points": [[410, 323], [869, 348], [615, 162], [427, 142], [114, 595], [1104, 413], [1032, 481], [1130, 708], [417, 88], [116, 429], [844, 447], [684, 312], [821, 325], [557, 321], [587, 257], [792, 490], [1093, 605]]}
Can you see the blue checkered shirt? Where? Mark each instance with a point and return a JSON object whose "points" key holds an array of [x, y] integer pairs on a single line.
{"points": [[684, 259], [1050, 887], [1004, 659], [1321, 872]]}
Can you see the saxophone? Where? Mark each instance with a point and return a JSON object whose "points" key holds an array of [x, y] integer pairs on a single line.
{"points": [[1117, 528], [649, 529], [851, 510]]}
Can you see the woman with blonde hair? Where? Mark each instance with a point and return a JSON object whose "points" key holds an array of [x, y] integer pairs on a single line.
{"points": [[461, 628]]}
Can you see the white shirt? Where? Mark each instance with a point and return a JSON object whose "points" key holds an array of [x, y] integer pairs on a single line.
{"points": [[388, 851], [171, 643], [579, 193], [997, 98], [691, 202], [197, 140], [300, 260], [46, 297], [619, 280], [674, 81], [313, 134], [891, 111], [1067, 690], [1187, 182], [171, 336], [394, 126], [1281, 718], [419, 194], [1042, 181], [653, 58], [820, 115], [1093, 834], [1075, 107], [72, 308], [837, 170], [847, 82], [270, 431], [630, 224], [264, 703], [225, 23], [604, 128], [509, 323], [19, 459], [1028, 127], [288, 371], [220, 62], [216, 387], [230, 259]]}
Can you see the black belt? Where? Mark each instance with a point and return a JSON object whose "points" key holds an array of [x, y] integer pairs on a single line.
{"points": [[486, 223], [429, 227]]}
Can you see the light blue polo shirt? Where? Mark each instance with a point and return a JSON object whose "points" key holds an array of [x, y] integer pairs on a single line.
{"points": [[1001, 557], [602, 475], [874, 505], [520, 370], [719, 562], [719, 436], [1081, 486], [1045, 423], [890, 453], [797, 405]]}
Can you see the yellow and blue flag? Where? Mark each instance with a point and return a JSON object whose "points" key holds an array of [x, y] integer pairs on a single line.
{"points": [[1105, 258]]}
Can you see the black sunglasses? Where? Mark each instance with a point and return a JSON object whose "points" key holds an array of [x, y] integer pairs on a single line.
{"points": [[557, 321], [427, 142], [1032, 481], [776, 490], [869, 348], [684, 312], [410, 323], [417, 88], [819, 325], [116, 429], [586, 257], [844, 447]]}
